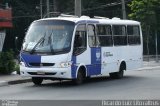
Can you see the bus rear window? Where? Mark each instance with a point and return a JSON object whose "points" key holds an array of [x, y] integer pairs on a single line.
{"points": [[133, 35]]}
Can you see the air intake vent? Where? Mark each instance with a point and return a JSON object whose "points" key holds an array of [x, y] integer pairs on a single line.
{"points": [[41, 64], [116, 18], [98, 17], [66, 15], [35, 73]]}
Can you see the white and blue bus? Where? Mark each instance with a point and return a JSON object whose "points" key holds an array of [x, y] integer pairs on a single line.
{"points": [[76, 48]]}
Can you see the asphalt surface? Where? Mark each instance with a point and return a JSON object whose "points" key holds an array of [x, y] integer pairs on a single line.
{"points": [[140, 84], [13, 79]]}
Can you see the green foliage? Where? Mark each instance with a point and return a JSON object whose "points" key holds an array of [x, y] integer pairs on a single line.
{"points": [[148, 13], [145, 11], [17, 68], [7, 63]]}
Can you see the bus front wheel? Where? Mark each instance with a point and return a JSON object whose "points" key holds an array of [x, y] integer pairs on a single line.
{"points": [[80, 78], [37, 80]]}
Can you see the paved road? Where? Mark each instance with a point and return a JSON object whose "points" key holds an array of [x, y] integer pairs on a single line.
{"points": [[144, 84]]}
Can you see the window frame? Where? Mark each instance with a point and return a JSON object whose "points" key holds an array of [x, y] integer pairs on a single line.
{"points": [[85, 48], [95, 36], [126, 43], [111, 45], [132, 35]]}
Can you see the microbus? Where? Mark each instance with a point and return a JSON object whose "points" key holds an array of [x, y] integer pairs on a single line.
{"points": [[75, 48]]}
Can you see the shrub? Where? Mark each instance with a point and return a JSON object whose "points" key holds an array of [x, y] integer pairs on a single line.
{"points": [[17, 68], [7, 63]]}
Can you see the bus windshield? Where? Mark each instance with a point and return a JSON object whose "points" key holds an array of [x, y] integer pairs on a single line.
{"points": [[49, 36]]}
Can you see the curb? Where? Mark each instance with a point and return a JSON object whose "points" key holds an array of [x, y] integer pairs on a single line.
{"points": [[3, 83], [19, 81], [148, 68]]}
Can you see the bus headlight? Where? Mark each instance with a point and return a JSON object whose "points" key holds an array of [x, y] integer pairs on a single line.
{"points": [[66, 64], [22, 64]]}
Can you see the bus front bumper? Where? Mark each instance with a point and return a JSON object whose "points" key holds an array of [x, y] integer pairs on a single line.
{"points": [[46, 72]]}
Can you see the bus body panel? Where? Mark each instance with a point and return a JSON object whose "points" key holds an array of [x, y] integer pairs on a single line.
{"points": [[135, 57], [109, 60]]}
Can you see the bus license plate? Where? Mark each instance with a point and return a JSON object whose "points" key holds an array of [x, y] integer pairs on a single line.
{"points": [[40, 72]]}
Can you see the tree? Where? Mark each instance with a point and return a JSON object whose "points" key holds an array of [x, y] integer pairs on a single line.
{"points": [[146, 11], [24, 12]]}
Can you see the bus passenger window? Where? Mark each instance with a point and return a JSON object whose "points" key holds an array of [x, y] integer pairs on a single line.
{"points": [[119, 35], [133, 35], [105, 35], [91, 36]]}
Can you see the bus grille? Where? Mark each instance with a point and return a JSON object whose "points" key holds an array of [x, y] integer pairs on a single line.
{"points": [[35, 73], [41, 64]]}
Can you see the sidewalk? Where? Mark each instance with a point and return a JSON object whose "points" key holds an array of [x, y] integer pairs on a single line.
{"points": [[17, 79], [12, 79], [150, 63]]}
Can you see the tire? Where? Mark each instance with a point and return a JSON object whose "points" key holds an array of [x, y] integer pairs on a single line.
{"points": [[80, 78], [118, 75], [37, 81], [88, 77]]}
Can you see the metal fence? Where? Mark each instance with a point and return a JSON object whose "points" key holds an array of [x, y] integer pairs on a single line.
{"points": [[151, 58]]}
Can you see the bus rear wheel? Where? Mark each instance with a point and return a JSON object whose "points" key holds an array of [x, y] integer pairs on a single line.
{"points": [[37, 80], [119, 74]]}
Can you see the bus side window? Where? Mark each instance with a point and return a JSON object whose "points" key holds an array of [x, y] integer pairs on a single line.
{"points": [[105, 35], [80, 41], [91, 36], [133, 35], [119, 35]]}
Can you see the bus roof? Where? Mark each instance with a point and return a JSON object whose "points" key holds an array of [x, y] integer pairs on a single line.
{"points": [[86, 19]]}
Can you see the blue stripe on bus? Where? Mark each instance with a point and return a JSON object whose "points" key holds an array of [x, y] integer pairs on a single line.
{"points": [[73, 67], [27, 58], [95, 67]]}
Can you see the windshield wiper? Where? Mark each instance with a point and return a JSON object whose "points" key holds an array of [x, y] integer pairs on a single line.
{"points": [[50, 42], [40, 40]]}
